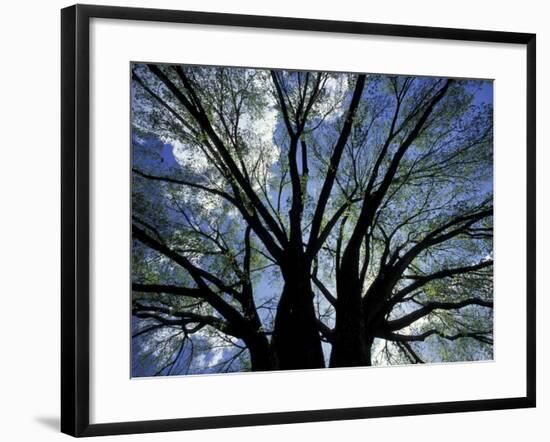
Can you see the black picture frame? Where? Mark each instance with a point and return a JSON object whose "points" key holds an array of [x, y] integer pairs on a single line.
{"points": [[75, 212]]}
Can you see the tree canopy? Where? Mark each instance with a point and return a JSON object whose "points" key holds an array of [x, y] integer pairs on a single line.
{"points": [[291, 220]]}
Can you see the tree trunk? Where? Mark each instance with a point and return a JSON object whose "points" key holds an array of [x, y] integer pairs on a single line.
{"points": [[350, 346], [261, 354], [296, 339]]}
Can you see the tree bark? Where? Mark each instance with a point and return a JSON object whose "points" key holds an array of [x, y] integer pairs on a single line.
{"points": [[261, 354], [350, 348], [358, 317], [296, 339]]}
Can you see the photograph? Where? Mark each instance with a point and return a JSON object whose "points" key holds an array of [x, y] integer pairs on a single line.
{"points": [[264, 205], [293, 220], [275, 221]]}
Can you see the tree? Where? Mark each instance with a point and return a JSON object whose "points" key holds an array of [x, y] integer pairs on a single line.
{"points": [[289, 220]]}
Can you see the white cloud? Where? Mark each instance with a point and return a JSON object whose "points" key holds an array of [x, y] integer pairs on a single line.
{"points": [[336, 88], [189, 158]]}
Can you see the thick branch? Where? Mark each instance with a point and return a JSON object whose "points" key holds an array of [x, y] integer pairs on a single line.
{"points": [[185, 183], [282, 103], [225, 309], [421, 280], [182, 318], [326, 292], [325, 330], [415, 358], [334, 163], [316, 245], [480, 336], [168, 289], [372, 201], [405, 321], [440, 235], [202, 119]]}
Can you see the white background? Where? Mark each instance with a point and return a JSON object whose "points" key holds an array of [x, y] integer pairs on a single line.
{"points": [[116, 398], [30, 220]]}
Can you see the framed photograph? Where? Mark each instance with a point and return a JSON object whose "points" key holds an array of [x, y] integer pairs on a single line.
{"points": [[273, 220]]}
